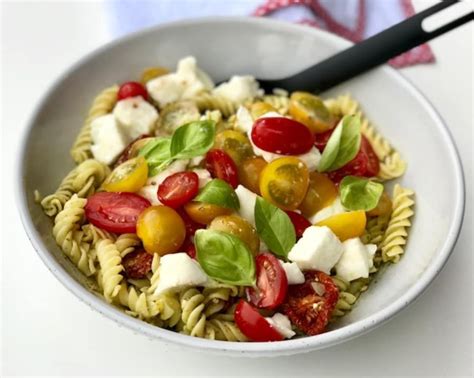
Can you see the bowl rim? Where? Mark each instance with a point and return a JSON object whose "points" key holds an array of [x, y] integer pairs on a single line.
{"points": [[261, 348]]}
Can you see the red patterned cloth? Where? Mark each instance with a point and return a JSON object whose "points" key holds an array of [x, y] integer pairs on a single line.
{"points": [[354, 20]]}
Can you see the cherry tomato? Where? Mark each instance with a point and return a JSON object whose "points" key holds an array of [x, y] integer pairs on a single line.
{"points": [[300, 223], [356, 167], [235, 144], [253, 325], [204, 213], [282, 135], [310, 304], [284, 182], [161, 230], [220, 165], [272, 283], [115, 212], [373, 164], [250, 171], [384, 207], [188, 247], [237, 226], [321, 139], [133, 148], [321, 193], [152, 73], [346, 225], [260, 108], [127, 177], [132, 89], [191, 226], [137, 264], [311, 111], [178, 189]]}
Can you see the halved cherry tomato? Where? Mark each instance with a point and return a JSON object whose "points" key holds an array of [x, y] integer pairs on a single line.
{"points": [[204, 213], [300, 223], [373, 164], [235, 144], [178, 189], [133, 149], [127, 177], [220, 165], [152, 73], [115, 212], [237, 226], [282, 135], [272, 283], [137, 264], [284, 182], [253, 325], [260, 108], [384, 207], [249, 173], [191, 226], [311, 111], [321, 193], [346, 225], [321, 139], [310, 304], [132, 89], [161, 230]]}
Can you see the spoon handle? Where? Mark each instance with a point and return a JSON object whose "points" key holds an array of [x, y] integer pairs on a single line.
{"points": [[373, 51]]}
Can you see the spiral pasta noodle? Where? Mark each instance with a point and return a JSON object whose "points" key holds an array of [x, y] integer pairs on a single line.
{"points": [[102, 104], [395, 237], [139, 304], [207, 101], [225, 330], [111, 267], [279, 102], [193, 316], [127, 243]]}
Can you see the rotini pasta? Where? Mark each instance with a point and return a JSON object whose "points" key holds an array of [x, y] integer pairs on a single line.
{"points": [[206, 101], [193, 316], [279, 102], [111, 266]]}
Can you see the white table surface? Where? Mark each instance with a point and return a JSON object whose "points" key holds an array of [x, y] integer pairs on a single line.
{"points": [[47, 331]]}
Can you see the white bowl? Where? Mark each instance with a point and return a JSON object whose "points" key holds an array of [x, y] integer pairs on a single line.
{"points": [[264, 48]]}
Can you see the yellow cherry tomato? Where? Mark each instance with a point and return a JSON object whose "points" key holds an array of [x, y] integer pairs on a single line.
{"points": [[250, 171], [346, 225], [311, 111], [384, 207], [204, 213], [161, 230], [235, 144], [239, 227], [129, 176], [321, 193], [152, 73], [284, 182], [259, 108]]}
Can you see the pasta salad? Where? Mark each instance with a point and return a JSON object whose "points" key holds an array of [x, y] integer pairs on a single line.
{"points": [[226, 213]]}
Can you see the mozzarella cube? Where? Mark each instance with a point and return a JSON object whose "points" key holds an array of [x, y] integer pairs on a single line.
{"points": [[165, 89], [204, 176], [247, 200], [282, 324], [333, 209], [135, 116], [293, 273], [244, 121], [150, 192], [356, 259], [108, 142], [239, 89], [178, 271], [317, 249]]}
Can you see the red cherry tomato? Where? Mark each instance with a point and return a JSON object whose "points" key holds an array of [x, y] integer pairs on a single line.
{"points": [[272, 283], [131, 150], [300, 223], [253, 325], [282, 136], [356, 167], [115, 211], [132, 89], [221, 165], [373, 165], [310, 304], [321, 139], [137, 264], [191, 226], [189, 248], [178, 189]]}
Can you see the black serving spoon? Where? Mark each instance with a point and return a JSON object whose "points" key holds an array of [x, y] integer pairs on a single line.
{"points": [[371, 52]]}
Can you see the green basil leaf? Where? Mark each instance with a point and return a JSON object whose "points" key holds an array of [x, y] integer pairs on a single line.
{"points": [[274, 227], [225, 257], [359, 193], [343, 144], [157, 154], [218, 192], [193, 139]]}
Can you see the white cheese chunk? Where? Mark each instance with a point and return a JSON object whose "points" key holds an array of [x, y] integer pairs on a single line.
{"points": [[356, 259], [318, 249], [108, 141], [244, 121], [293, 273], [204, 176], [150, 192], [247, 200], [178, 271], [135, 116], [333, 209], [239, 89], [282, 324]]}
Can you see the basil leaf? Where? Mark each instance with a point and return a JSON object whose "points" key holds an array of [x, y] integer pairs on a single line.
{"points": [[218, 192], [225, 257], [193, 139], [157, 154], [343, 144], [274, 227], [359, 193]]}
